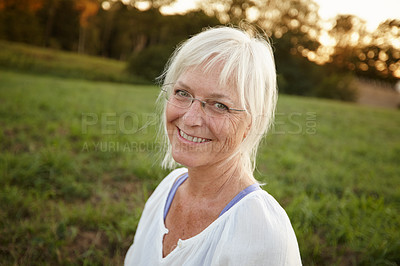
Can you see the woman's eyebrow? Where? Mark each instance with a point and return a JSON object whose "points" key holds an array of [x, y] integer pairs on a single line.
{"points": [[219, 96], [212, 95], [180, 83]]}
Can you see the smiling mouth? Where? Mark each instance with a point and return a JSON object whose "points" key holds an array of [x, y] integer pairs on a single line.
{"points": [[192, 138]]}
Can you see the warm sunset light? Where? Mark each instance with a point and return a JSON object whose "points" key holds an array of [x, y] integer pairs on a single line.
{"points": [[362, 36], [372, 12], [368, 15], [108, 106], [179, 7]]}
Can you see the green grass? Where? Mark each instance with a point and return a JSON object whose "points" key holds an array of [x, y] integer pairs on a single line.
{"points": [[27, 58], [72, 188]]}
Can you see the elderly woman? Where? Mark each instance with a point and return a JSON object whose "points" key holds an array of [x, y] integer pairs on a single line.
{"points": [[218, 96]]}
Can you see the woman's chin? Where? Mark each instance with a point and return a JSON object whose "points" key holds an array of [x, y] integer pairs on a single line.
{"points": [[188, 160]]}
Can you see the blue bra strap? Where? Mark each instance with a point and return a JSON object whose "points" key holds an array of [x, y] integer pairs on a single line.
{"points": [[235, 200], [240, 196], [172, 192]]}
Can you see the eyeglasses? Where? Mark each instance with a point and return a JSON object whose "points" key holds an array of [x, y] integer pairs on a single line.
{"points": [[183, 99]]}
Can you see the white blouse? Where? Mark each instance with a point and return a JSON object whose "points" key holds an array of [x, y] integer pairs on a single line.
{"points": [[254, 231]]}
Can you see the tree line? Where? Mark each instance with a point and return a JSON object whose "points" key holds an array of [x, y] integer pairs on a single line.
{"points": [[146, 38]]}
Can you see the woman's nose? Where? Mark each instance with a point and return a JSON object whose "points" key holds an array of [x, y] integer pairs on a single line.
{"points": [[194, 115]]}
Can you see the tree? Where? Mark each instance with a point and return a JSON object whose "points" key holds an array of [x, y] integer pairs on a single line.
{"points": [[387, 38], [367, 54], [153, 4], [18, 21], [228, 11], [87, 9], [169, 31]]}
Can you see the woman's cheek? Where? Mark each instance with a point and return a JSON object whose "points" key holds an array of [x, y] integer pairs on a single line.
{"points": [[229, 132]]}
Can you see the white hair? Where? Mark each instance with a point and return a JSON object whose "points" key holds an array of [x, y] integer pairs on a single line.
{"points": [[248, 63]]}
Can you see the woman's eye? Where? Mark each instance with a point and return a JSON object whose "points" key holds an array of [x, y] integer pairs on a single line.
{"points": [[221, 106], [182, 93]]}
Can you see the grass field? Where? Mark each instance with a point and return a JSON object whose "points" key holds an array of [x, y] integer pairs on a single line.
{"points": [[77, 164], [23, 57]]}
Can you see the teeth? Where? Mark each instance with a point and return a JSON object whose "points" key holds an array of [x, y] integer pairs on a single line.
{"points": [[192, 139]]}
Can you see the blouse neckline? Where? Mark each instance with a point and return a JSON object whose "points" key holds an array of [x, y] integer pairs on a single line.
{"points": [[184, 242]]}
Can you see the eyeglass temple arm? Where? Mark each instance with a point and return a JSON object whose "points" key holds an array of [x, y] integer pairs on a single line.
{"points": [[238, 110]]}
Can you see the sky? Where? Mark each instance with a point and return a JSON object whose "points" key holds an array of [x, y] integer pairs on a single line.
{"points": [[372, 11]]}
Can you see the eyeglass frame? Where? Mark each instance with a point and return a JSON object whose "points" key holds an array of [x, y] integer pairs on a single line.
{"points": [[203, 103]]}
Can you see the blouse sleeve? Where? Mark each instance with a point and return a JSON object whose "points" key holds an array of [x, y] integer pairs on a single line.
{"points": [[259, 233]]}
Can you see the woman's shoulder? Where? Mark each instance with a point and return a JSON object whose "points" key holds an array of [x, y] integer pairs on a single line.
{"points": [[260, 206], [258, 221], [260, 209], [265, 203]]}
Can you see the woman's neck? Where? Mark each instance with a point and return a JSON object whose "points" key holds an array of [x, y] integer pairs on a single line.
{"points": [[211, 181]]}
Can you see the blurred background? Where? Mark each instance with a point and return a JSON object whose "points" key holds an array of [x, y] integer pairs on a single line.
{"points": [[78, 122], [318, 51]]}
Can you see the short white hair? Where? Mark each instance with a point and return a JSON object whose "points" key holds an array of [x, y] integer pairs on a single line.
{"points": [[248, 64]]}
